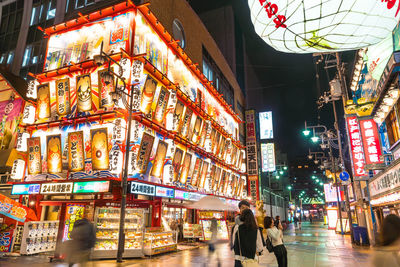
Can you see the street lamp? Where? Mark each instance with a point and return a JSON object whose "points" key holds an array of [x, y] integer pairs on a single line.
{"points": [[306, 132], [315, 139]]}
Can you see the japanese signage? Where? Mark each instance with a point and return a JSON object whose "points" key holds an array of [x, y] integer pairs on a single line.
{"points": [[251, 144], [185, 168], [161, 105], [266, 126], [176, 163], [149, 90], [91, 187], [29, 114], [144, 152], [370, 136], [203, 175], [84, 92], [54, 158], [73, 213], [356, 146], [25, 189], [15, 210], [331, 193], [253, 187], [100, 157], [56, 188], [34, 156], [118, 133], [280, 23], [105, 89], [63, 96], [22, 142], [6, 240], [164, 192], [143, 189], [76, 159], [385, 181], [43, 101], [268, 157], [158, 164], [186, 122], [196, 172], [181, 195], [18, 169]]}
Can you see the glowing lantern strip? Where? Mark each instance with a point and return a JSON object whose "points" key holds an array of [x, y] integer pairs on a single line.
{"points": [[308, 26], [357, 70], [387, 104]]}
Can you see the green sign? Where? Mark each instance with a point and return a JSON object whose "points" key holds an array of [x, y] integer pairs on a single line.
{"points": [[91, 187]]}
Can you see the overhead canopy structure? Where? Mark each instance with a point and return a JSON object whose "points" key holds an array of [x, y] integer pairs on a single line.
{"points": [[309, 26], [9, 81], [212, 203]]}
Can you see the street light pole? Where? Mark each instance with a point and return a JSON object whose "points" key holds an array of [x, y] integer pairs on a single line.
{"points": [[337, 189]]}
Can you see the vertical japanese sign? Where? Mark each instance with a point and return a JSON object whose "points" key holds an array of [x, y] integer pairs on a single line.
{"points": [[6, 240], [185, 168], [84, 92], [356, 146], [54, 158], [73, 213], [63, 96], [251, 146], [105, 89], [159, 159], [149, 90], [268, 157], [372, 147], [43, 101], [196, 172], [34, 156], [76, 158], [146, 146], [161, 105], [100, 157]]}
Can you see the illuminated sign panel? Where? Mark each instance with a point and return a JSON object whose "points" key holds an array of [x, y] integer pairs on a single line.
{"points": [[91, 187], [25, 189], [164, 192], [266, 125], [331, 193], [356, 146], [143, 189], [307, 26], [372, 147], [56, 188], [268, 157], [181, 194], [251, 146]]}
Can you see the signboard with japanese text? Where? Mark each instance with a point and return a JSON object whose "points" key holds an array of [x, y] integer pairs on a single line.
{"points": [[84, 92], [164, 192], [144, 152], [6, 240], [268, 157], [356, 146], [16, 210], [385, 182], [25, 189], [266, 125], [142, 189], [331, 193], [76, 157], [252, 161], [91, 187], [99, 149], [372, 147], [63, 98], [56, 188], [54, 157], [34, 156]]}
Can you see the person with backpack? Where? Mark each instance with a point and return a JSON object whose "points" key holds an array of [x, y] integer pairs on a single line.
{"points": [[246, 238], [275, 235]]}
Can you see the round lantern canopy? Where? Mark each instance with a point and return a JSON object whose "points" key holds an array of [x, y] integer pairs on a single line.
{"points": [[309, 26]]}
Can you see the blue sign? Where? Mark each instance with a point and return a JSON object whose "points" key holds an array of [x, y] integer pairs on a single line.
{"points": [[143, 189], [25, 189], [164, 192], [344, 176]]}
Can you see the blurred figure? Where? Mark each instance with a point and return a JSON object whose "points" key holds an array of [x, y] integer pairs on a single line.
{"points": [[277, 221], [83, 238], [388, 252], [296, 220], [246, 239], [299, 222], [180, 229], [276, 236], [214, 240], [310, 218]]}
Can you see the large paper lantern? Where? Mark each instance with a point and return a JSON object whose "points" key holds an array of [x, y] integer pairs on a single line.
{"points": [[308, 26]]}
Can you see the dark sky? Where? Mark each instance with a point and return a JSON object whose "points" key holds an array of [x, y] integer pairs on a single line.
{"points": [[286, 83]]}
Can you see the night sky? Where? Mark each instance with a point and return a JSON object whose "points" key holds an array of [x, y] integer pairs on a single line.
{"points": [[286, 83]]}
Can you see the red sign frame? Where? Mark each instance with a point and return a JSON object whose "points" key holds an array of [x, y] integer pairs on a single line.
{"points": [[371, 143], [357, 153]]}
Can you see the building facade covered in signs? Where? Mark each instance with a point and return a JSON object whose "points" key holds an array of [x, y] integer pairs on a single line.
{"points": [[184, 137]]}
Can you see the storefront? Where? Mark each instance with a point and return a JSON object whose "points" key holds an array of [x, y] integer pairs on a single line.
{"points": [[183, 143]]}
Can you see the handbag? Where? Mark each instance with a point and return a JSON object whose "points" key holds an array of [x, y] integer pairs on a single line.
{"points": [[268, 244], [246, 262]]}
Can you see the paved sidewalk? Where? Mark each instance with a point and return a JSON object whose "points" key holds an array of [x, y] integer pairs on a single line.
{"points": [[313, 246]]}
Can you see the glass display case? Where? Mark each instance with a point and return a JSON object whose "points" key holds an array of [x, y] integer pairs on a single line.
{"points": [[107, 227], [157, 242], [40, 236]]}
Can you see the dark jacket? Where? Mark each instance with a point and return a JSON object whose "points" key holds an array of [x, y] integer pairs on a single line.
{"points": [[83, 234], [248, 242]]}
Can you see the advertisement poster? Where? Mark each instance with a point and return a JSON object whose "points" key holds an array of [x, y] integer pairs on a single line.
{"points": [[217, 179], [372, 147], [54, 157], [84, 92], [15, 210], [186, 122], [203, 174], [146, 146], [43, 101], [74, 212], [185, 168], [100, 153], [76, 157], [222, 182], [158, 164], [34, 156], [161, 105], [196, 129], [215, 143], [179, 108], [63, 98], [211, 177], [104, 90], [196, 172], [176, 163], [266, 126], [6, 239], [356, 146], [149, 90]]}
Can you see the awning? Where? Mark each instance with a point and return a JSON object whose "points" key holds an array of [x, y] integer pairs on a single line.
{"points": [[10, 81], [16, 210]]}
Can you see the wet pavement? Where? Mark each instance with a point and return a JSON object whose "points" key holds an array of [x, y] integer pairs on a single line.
{"points": [[314, 245]]}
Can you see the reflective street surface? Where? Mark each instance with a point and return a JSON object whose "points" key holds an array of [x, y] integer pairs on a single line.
{"points": [[314, 245]]}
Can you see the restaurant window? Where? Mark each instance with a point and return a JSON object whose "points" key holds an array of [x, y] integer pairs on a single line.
{"points": [[392, 125]]}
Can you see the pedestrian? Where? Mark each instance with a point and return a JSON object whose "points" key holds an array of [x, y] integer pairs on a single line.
{"points": [[300, 222], [276, 236], [277, 220], [180, 229], [214, 240], [310, 218], [243, 205], [247, 242], [83, 238], [387, 254], [295, 221]]}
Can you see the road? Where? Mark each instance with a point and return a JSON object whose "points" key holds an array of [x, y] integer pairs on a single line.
{"points": [[314, 245]]}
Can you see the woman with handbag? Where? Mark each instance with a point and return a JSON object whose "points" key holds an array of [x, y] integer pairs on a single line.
{"points": [[246, 241], [276, 236]]}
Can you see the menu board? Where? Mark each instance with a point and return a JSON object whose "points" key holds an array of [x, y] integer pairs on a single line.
{"points": [[192, 231]]}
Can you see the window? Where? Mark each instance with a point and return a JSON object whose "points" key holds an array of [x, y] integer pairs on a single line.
{"points": [[27, 55], [2, 58], [51, 11], [178, 33], [83, 3], [35, 15], [10, 57]]}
